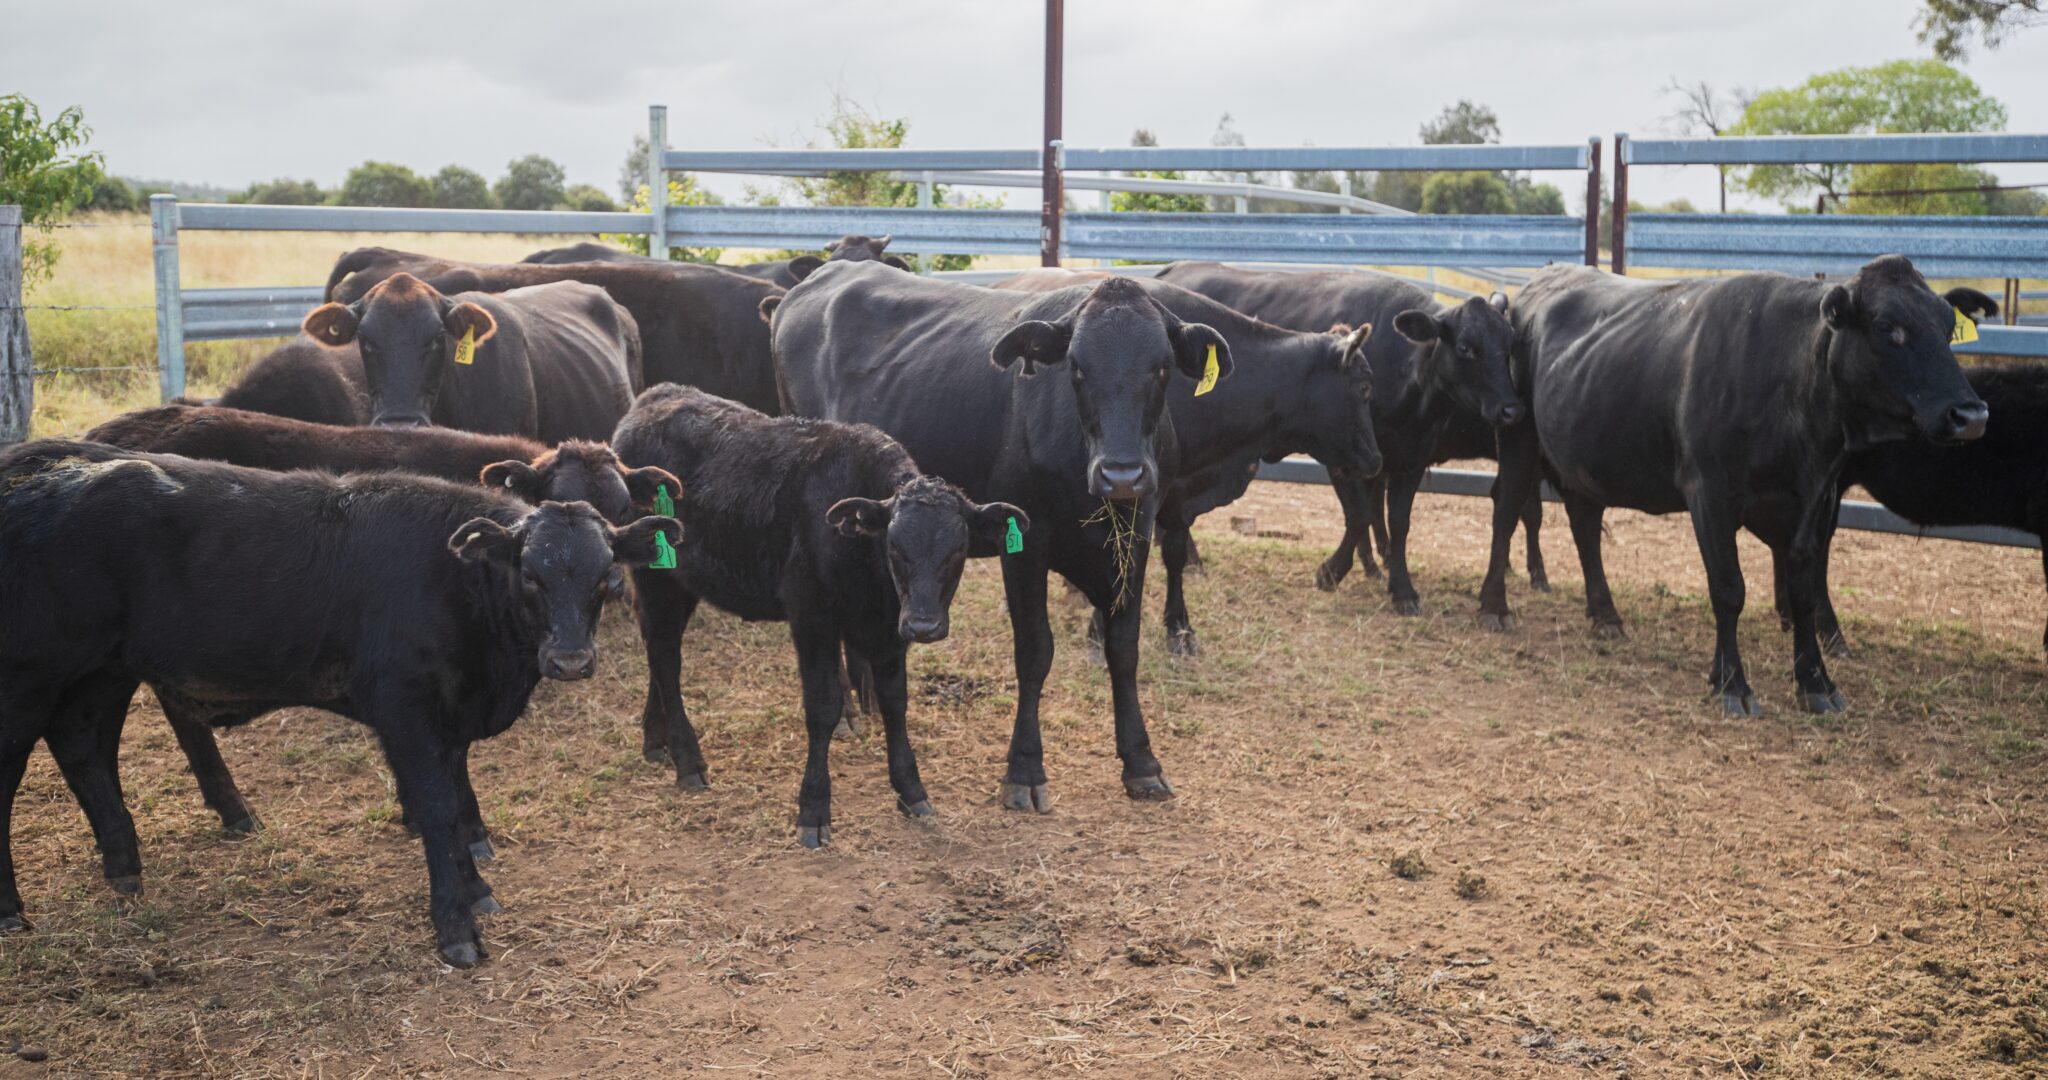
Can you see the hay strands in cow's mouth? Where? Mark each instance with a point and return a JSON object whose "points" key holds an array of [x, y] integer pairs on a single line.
{"points": [[1122, 519]]}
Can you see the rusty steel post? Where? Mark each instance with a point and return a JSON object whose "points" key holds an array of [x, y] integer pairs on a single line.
{"points": [[1049, 209], [1619, 260], [1593, 202]]}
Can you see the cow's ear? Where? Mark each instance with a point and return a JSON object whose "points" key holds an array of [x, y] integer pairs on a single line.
{"points": [[645, 483], [1838, 307], [466, 317], [1498, 302], [891, 260], [331, 324], [880, 242], [1354, 344], [635, 545], [988, 526], [1034, 343], [859, 517], [768, 306], [1971, 302], [1192, 343], [834, 245], [481, 538], [804, 266], [516, 477], [1419, 327]]}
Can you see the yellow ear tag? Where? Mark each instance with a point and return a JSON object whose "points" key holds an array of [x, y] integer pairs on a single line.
{"points": [[1210, 373], [1966, 329], [465, 350]]}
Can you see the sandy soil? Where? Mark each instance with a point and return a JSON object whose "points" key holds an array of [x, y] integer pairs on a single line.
{"points": [[1401, 847]]}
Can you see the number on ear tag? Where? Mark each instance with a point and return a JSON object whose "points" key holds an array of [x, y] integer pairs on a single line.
{"points": [[1013, 538], [664, 505], [465, 350], [1966, 329], [1210, 373], [664, 553]]}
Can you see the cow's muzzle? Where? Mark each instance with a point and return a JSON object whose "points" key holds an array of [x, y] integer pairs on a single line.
{"points": [[1120, 480], [1508, 415], [401, 420], [569, 665], [923, 629], [1962, 423]]}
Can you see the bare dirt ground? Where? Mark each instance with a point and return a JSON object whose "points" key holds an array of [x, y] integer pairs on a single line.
{"points": [[1402, 847]]}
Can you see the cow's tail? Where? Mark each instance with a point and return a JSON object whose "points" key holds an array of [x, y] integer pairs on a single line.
{"points": [[359, 259]]}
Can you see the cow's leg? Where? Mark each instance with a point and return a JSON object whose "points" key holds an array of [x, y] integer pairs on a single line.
{"points": [[471, 829], [1376, 518], [20, 727], [1520, 475], [1143, 778], [1826, 625], [2044, 574], [1173, 549], [858, 678], [1817, 692], [1585, 516], [1532, 530], [1351, 497], [419, 765], [202, 753], [665, 608], [1024, 786], [817, 661], [85, 738], [1713, 527], [1400, 498], [893, 691]]}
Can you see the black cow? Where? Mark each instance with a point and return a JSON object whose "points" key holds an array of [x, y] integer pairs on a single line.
{"points": [[304, 380], [1291, 393], [853, 248], [1086, 451], [1441, 388], [423, 609], [828, 526], [1734, 399], [587, 252], [556, 361], [699, 325]]}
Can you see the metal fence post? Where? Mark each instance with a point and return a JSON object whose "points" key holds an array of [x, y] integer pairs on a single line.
{"points": [[1593, 202], [1619, 259], [1344, 188], [657, 180], [17, 366], [1244, 202], [924, 202], [170, 307]]}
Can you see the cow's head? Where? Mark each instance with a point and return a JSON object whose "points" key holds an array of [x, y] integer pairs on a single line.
{"points": [[1120, 349], [1331, 418], [556, 567], [1464, 355], [1888, 352], [854, 248], [927, 531], [579, 471], [407, 333]]}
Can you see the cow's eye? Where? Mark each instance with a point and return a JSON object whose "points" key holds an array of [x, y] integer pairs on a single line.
{"points": [[1882, 328]]}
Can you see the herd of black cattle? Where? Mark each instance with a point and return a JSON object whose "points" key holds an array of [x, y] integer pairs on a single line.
{"points": [[416, 510]]}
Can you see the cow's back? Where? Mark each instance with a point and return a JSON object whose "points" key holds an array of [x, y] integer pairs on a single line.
{"points": [[277, 443], [583, 352], [305, 380]]}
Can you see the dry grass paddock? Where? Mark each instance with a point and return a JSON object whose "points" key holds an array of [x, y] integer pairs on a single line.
{"points": [[1402, 847]]}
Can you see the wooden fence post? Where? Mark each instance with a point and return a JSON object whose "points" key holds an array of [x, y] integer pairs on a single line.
{"points": [[17, 379]]}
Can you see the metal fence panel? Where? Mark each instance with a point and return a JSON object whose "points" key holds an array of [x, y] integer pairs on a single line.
{"points": [[771, 162], [1836, 149], [1573, 157], [391, 219], [1422, 240], [1839, 243], [222, 314], [930, 232]]}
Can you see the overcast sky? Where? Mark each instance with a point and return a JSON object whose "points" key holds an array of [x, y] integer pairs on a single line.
{"points": [[227, 92]]}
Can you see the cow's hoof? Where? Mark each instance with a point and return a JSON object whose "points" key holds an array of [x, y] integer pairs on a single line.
{"points": [[1539, 583], [246, 825], [1816, 702], [482, 851], [1033, 797], [1407, 605], [1608, 630], [845, 730], [488, 905], [1183, 643], [1499, 623], [814, 836], [1092, 649], [922, 808], [1327, 579], [654, 755], [129, 885], [1148, 788], [1837, 646], [1740, 704], [14, 924], [462, 954], [692, 782]]}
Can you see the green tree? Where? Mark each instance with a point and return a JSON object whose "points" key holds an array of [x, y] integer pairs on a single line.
{"points": [[1144, 201], [1470, 192], [114, 195], [1901, 96], [1462, 123], [1948, 25], [633, 174], [682, 191], [457, 188], [530, 183], [587, 197], [282, 192], [1948, 190], [43, 171], [1528, 198], [381, 183]]}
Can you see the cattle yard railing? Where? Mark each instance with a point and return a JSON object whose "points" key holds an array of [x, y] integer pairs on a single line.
{"points": [[2004, 247]]}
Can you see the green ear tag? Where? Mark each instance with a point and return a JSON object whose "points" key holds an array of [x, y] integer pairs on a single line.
{"points": [[664, 505], [1013, 538], [664, 553]]}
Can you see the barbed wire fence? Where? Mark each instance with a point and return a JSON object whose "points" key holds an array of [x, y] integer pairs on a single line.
{"points": [[18, 371]]}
